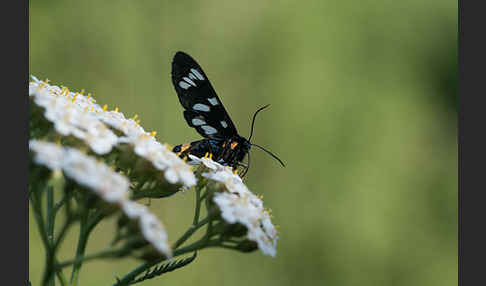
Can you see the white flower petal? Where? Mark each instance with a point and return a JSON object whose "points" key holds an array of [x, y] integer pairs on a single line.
{"points": [[49, 155], [152, 229], [208, 162], [133, 210], [154, 232], [176, 170]]}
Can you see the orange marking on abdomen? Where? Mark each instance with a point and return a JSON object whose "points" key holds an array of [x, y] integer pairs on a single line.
{"points": [[185, 147]]}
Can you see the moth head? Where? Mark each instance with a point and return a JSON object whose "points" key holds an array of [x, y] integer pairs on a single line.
{"points": [[246, 146], [240, 143]]}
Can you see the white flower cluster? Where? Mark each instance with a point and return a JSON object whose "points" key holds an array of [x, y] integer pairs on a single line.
{"points": [[110, 186], [73, 114], [240, 205], [80, 116]]}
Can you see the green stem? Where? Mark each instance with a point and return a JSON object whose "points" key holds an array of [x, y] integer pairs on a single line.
{"points": [[70, 219], [82, 242], [153, 193], [190, 231], [203, 196], [209, 230], [39, 220], [55, 246], [59, 204], [61, 277], [87, 224], [51, 215], [62, 233], [94, 221], [198, 207], [52, 243], [200, 244], [36, 206], [195, 223], [45, 230], [109, 253]]}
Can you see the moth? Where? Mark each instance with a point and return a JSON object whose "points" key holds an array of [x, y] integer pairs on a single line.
{"points": [[205, 112]]}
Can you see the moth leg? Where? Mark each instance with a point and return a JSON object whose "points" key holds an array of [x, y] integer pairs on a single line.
{"points": [[209, 147], [239, 164]]}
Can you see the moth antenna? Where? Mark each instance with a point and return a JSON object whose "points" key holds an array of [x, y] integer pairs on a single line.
{"points": [[253, 120], [271, 154]]}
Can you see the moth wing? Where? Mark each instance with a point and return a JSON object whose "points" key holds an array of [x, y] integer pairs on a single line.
{"points": [[203, 109]]}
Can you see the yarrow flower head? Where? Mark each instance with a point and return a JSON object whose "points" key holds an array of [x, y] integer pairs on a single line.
{"points": [[239, 205], [73, 114], [83, 169], [80, 116]]}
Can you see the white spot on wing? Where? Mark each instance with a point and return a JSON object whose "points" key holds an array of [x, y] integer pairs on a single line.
{"points": [[224, 124], [191, 76], [197, 122], [200, 107], [213, 101], [209, 130], [184, 84], [189, 81], [196, 73]]}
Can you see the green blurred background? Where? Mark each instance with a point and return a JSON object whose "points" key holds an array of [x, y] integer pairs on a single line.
{"points": [[363, 110]]}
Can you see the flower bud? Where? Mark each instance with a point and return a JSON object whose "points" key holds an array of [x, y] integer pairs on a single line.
{"points": [[247, 246]]}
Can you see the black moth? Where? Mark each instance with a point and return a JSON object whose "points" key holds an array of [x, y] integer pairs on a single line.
{"points": [[205, 112]]}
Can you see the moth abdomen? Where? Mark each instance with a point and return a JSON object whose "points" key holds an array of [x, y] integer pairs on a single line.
{"points": [[199, 148]]}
